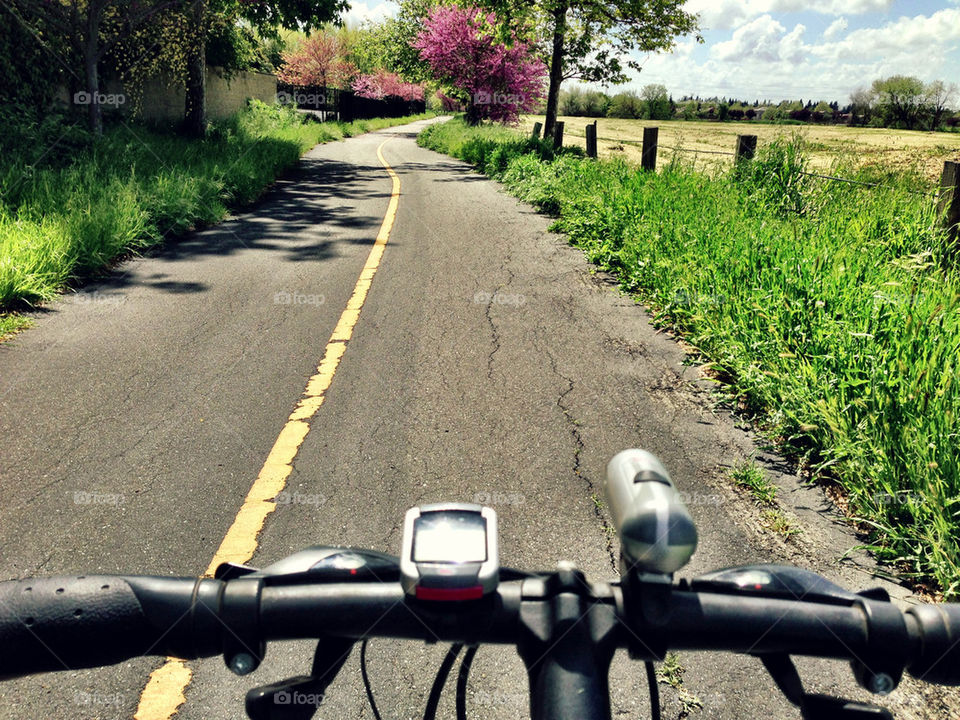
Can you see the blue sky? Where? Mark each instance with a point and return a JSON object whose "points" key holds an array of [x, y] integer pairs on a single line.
{"points": [[810, 49]]}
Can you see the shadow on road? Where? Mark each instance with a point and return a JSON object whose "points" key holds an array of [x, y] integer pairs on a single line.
{"points": [[300, 217]]}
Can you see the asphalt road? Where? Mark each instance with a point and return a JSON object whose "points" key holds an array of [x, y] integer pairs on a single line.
{"points": [[488, 363]]}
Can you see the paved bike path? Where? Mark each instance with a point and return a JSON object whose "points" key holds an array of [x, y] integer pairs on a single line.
{"points": [[488, 363]]}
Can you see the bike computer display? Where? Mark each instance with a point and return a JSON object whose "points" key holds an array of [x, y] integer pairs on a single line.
{"points": [[449, 552]]}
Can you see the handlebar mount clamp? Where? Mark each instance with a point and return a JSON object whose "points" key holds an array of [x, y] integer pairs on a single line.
{"points": [[243, 644], [881, 668]]}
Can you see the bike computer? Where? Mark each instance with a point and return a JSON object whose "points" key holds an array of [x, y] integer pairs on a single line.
{"points": [[449, 552]]}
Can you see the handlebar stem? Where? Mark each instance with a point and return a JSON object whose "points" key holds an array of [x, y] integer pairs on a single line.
{"points": [[568, 637]]}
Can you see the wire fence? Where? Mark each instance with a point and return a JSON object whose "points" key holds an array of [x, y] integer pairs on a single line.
{"points": [[947, 195], [937, 194]]}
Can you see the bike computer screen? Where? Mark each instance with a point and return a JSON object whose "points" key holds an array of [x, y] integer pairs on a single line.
{"points": [[454, 536], [449, 552]]}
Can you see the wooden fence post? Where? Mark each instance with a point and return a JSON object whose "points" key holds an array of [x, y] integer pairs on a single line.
{"points": [[592, 139], [949, 205], [557, 135], [648, 160], [537, 126], [746, 147]]}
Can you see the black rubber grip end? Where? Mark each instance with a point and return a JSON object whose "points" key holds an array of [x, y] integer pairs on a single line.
{"points": [[66, 623], [939, 658]]}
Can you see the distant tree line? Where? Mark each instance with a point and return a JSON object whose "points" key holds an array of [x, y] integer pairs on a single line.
{"points": [[896, 102]]}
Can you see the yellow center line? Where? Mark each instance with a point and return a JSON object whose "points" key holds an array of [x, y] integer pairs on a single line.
{"points": [[164, 692]]}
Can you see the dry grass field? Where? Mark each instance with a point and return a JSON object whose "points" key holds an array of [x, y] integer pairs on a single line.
{"points": [[829, 147]]}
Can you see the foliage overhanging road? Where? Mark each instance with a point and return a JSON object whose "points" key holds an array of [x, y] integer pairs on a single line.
{"points": [[487, 363]]}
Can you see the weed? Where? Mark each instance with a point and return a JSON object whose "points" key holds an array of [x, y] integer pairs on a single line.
{"points": [[755, 481]]}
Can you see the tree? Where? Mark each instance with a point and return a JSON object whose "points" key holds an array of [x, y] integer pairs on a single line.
{"points": [[320, 60], [591, 40], [499, 81], [383, 84], [28, 72], [822, 112], [861, 105], [389, 43], [657, 102], [938, 96], [267, 16], [900, 99], [626, 105], [89, 29]]}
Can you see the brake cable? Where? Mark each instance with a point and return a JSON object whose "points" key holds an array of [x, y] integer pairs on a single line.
{"points": [[462, 677], [366, 680], [433, 702], [654, 690]]}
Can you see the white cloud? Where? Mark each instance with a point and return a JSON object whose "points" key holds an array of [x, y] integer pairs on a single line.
{"points": [[762, 40], [836, 29], [728, 14], [913, 37], [764, 59], [362, 11]]}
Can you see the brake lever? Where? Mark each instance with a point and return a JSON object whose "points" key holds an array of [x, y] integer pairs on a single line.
{"points": [[817, 707], [299, 698]]}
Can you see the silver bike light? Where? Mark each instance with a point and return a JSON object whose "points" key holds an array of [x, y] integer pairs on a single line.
{"points": [[657, 534]]}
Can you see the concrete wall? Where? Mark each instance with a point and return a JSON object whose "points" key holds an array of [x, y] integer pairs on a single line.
{"points": [[162, 101]]}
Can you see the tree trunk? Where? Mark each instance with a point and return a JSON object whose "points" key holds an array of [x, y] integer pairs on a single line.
{"points": [[90, 56], [195, 117], [937, 117], [556, 68], [473, 112]]}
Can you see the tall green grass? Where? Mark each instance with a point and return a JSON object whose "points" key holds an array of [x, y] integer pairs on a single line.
{"points": [[831, 310], [69, 206]]}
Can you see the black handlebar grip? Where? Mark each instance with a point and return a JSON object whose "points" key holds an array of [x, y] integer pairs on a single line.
{"points": [[66, 623], [938, 660]]}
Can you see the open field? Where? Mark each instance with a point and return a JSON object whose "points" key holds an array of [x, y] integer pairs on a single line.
{"points": [[827, 145]]}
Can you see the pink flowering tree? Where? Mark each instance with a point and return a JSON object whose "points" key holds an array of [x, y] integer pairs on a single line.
{"points": [[320, 60], [499, 81], [448, 103], [382, 84]]}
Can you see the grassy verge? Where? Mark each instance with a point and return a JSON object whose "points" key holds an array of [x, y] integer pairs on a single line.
{"points": [[831, 312], [69, 207]]}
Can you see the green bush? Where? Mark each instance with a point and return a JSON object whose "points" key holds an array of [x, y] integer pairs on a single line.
{"points": [[626, 105]]}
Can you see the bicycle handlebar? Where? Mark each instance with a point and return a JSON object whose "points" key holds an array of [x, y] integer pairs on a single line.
{"points": [[88, 621]]}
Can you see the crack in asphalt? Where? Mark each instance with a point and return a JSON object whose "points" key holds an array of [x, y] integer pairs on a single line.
{"points": [[495, 333], [574, 428]]}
